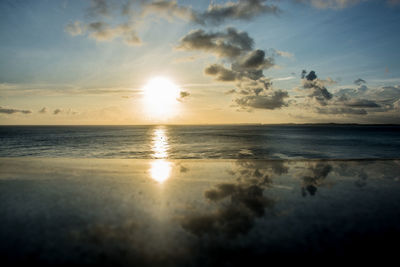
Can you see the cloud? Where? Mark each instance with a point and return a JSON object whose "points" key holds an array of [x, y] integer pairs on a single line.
{"points": [[341, 111], [49, 89], [282, 53], [359, 81], [232, 91], [99, 8], [346, 101], [183, 95], [104, 23], [316, 87], [332, 4], [303, 74], [169, 10], [43, 110], [254, 90], [221, 73], [340, 4], [13, 111], [75, 28], [253, 60], [67, 111], [240, 10], [229, 43], [362, 103], [269, 101], [102, 31], [311, 76], [380, 99]]}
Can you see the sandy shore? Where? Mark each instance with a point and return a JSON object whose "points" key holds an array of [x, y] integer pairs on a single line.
{"points": [[196, 212]]}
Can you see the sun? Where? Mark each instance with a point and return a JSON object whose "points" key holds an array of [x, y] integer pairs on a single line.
{"points": [[161, 97]]}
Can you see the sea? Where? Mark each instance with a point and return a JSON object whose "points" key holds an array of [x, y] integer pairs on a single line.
{"points": [[327, 141]]}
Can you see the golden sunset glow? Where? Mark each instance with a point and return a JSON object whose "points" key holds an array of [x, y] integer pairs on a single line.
{"points": [[160, 97]]}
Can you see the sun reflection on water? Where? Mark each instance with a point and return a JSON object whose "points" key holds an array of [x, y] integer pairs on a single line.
{"points": [[160, 168], [160, 144]]}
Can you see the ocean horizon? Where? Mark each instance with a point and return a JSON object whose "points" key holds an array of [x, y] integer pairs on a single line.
{"points": [[304, 141]]}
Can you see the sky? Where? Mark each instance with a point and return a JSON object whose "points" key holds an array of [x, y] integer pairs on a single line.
{"points": [[199, 62]]}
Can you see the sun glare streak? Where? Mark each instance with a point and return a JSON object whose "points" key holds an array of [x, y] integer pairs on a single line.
{"points": [[160, 97], [160, 169], [160, 144]]}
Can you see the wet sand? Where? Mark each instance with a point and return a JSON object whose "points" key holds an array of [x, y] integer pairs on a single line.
{"points": [[113, 212]]}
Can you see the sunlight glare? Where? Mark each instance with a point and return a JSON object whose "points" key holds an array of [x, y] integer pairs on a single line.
{"points": [[160, 144], [160, 170], [160, 97]]}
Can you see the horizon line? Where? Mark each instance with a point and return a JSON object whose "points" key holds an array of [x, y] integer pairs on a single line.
{"points": [[210, 124]]}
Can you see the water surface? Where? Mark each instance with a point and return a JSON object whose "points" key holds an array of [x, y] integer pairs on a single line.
{"points": [[160, 212], [203, 142]]}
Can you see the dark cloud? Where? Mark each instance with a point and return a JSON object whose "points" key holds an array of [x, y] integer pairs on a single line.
{"points": [[321, 94], [230, 43], [362, 103], [221, 73], [341, 111], [183, 95], [240, 10], [311, 76], [275, 100], [317, 87], [384, 99], [43, 110], [57, 111], [246, 69], [13, 111], [359, 81], [253, 60], [347, 101], [303, 74]]}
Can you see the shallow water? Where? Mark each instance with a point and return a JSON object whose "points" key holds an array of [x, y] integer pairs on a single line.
{"points": [[120, 212]]}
